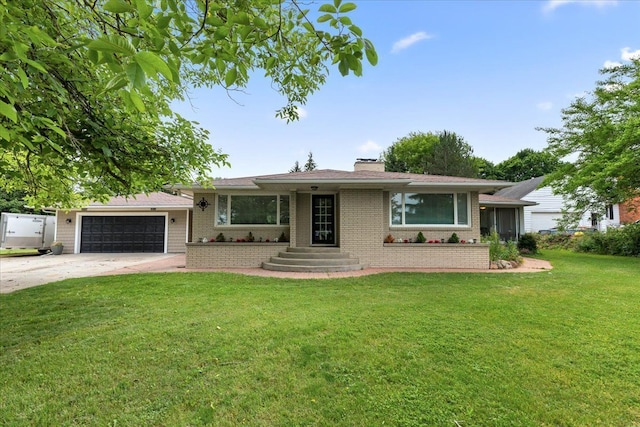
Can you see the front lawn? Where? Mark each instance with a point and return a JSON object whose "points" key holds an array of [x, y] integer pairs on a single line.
{"points": [[556, 348]]}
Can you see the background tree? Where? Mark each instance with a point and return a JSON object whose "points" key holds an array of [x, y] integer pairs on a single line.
{"points": [[296, 168], [310, 164], [442, 153], [409, 153], [527, 164], [485, 169], [601, 136], [86, 87], [451, 156]]}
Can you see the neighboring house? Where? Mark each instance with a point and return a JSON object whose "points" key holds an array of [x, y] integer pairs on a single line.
{"points": [[157, 222], [548, 207], [503, 215], [344, 213], [630, 211]]}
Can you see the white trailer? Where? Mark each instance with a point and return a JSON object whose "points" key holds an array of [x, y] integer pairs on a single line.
{"points": [[26, 231]]}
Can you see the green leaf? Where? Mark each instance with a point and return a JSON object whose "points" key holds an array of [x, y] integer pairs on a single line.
{"points": [[230, 77], [153, 64], [23, 78], [325, 18], [372, 55], [163, 21], [9, 111], [4, 133], [35, 65], [144, 9], [136, 74], [118, 82], [343, 67], [271, 62], [137, 100], [328, 8], [241, 18], [356, 30], [347, 7], [118, 6], [112, 44]]}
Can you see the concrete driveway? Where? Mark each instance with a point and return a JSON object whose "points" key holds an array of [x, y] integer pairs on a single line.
{"points": [[19, 272]]}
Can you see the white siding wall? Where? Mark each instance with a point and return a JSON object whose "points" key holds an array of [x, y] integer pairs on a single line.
{"points": [[549, 209]]}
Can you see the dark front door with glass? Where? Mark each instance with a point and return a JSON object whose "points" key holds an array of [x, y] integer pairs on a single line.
{"points": [[323, 230]]}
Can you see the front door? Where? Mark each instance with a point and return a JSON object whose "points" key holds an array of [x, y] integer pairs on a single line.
{"points": [[323, 228]]}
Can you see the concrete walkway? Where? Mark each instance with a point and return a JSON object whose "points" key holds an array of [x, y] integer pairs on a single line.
{"points": [[21, 272], [177, 263]]}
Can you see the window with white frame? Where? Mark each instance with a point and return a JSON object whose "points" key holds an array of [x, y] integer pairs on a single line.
{"points": [[252, 209], [412, 209]]}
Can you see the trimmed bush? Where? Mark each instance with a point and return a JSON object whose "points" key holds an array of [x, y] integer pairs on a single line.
{"points": [[527, 244]]}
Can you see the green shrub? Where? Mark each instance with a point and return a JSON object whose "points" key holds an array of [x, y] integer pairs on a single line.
{"points": [[220, 238], [421, 238], [556, 241], [454, 239], [527, 244], [623, 241], [507, 251]]}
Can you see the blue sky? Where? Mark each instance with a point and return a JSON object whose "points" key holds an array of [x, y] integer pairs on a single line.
{"points": [[491, 71]]}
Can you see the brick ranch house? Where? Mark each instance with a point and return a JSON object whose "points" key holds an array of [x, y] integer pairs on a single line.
{"points": [[331, 220]]}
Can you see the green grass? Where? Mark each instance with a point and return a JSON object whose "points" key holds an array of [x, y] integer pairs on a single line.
{"points": [[556, 348]]}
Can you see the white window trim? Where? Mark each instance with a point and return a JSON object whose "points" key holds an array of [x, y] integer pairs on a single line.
{"points": [[455, 210], [230, 195]]}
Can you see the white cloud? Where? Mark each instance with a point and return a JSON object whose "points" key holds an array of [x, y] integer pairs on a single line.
{"points": [[552, 5], [369, 146], [611, 64], [545, 106], [628, 55], [409, 41]]}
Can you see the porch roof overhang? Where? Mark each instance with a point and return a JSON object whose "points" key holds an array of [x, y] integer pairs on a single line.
{"points": [[491, 201]]}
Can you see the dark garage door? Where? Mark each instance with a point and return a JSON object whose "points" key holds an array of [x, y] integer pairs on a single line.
{"points": [[122, 234]]}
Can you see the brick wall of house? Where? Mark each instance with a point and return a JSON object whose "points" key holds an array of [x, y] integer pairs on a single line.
{"points": [[435, 255], [231, 255], [365, 223], [361, 224], [303, 219], [293, 219], [630, 211]]}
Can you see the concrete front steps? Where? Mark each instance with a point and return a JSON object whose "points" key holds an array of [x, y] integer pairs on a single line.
{"points": [[313, 260]]}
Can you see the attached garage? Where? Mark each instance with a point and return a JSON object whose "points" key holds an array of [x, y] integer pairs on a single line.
{"points": [[124, 234], [544, 220], [155, 222]]}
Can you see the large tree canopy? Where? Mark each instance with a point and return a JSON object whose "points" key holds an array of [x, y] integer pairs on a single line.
{"points": [[601, 137], [442, 153], [526, 164], [86, 85]]}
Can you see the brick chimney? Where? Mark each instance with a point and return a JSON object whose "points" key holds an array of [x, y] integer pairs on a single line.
{"points": [[368, 165]]}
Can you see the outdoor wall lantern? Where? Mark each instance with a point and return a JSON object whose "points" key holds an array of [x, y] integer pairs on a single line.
{"points": [[203, 204], [173, 220], [68, 221]]}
